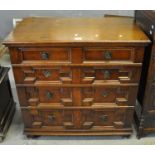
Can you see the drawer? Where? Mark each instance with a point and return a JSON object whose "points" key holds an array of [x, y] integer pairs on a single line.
{"points": [[59, 119], [109, 95], [41, 54], [51, 96], [87, 75], [100, 75], [102, 55], [31, 75], [77, 96]]}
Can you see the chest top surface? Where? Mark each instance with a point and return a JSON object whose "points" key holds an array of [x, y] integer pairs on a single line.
{"points": [[76, 30]]}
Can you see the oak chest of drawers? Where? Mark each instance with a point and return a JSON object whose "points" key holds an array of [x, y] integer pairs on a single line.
{"points": [[77, 76], [145, 107]]}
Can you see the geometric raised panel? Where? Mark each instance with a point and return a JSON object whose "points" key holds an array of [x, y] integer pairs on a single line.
{"points": [[54, 75], [49, 95], [99, 75], [105, 95]]}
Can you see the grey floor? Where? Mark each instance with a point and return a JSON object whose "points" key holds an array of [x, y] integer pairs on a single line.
{"points": [[15, 133]]}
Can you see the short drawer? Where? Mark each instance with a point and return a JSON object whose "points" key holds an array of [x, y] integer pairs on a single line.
{"points": [[102, 55], [41, 54], [100, 75], [60, 119], [109, 95], [50, 96], [77, 96], [31, 75]]}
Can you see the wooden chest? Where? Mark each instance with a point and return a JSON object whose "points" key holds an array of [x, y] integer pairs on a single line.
{"points": [[145, 107], [77, 76]]}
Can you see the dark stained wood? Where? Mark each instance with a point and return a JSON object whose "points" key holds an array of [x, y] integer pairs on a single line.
{"points": [[145, 114], [7, 104], [77, 76]]}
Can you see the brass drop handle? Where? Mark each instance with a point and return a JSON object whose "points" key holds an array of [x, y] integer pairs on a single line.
{"points": [[106, 74], [105, 94], [49, 95], [107, 55], [45, 55], [47, 73], [51, 118], [103, 118]]}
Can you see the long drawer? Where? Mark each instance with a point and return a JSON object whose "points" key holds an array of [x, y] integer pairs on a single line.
{"points": [[76, 75], [59, 55], [109, 95], [77, 119]]}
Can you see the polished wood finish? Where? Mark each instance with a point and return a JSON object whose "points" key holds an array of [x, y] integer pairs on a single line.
{"points": [[77, 76], [35, 31], [145, 107]]}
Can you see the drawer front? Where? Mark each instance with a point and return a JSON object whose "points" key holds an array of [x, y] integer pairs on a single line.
{"points": [[100, 75], [60, 119], [34, 96], [87, 75], [85, 96], [55, 55], [109, 95], [101, 55], [76, 55], [31, 75]]}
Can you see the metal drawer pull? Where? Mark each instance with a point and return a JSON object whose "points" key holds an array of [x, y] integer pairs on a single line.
{"points": [[51, 118], [106, 74], [105, 94], [103, 118], [45, 55], [47, 73], [49, 95], [107, 55]]}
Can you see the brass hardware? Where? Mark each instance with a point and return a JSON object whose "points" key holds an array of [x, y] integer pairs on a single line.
{"points": [[103, 118], [47, 73], [49, 95], [105, 94], [51, 118], [107, 55], [45, 55], [106, 74]]}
